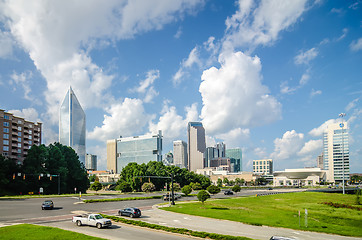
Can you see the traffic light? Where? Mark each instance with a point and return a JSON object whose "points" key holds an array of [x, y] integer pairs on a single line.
{"points": [[39, 177], [14, 176], [24, 177], [51, 178]]}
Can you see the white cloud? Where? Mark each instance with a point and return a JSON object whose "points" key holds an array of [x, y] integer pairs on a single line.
{"points": [[318, 132], [29, 114], [234, 137], [259, 23], [287, 146], [173, 126], [6, 43], [146, 86], [306, 57], [352, 105], [344, 34], [304, 79], [285, 89], [315, 92], [233, 95], [124, 119], [178, 33], [313, 147], [356, 45], [260, 152], [192, 59], [23, 80]]}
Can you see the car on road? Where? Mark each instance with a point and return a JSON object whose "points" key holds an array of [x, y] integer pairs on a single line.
{"points": [[228, 192], [92, 220], [130, 212], [280, 238], [47, 204]]}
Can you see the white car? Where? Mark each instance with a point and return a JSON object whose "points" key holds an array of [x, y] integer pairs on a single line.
{"points": [[92, 220]]}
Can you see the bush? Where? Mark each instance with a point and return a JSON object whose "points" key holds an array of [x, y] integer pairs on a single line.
{"points": [[219, 182], [195, 186], [212, 189], [203, 195], [124, 187], [96, 186], [148, 187], [176, 186], [236, 188], [186, 190]]}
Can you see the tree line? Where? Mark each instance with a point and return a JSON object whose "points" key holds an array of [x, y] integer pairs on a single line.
{"points": [[54, 168]]}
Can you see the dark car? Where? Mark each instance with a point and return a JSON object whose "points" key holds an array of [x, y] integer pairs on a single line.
{"points": [[47, 204], [228, 192], [130, 212]]}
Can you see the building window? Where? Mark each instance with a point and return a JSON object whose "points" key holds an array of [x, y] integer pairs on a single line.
{"points": [[19, 139], [19, 150], [30, 137], [6, 142], [30, 131], [19, 134], [6, 117], [19, 145], [19, 128], [6, 124], [30, 142], [20, 122], [6, 136], [5, 148], [6, 130], [30, 125]]}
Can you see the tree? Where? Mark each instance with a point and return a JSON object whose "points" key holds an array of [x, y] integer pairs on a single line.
{"points": [[195, 186], [219, 182], [148, 187], [202, 196], [176, 186], [93, 178], [226, 181], [231, 182], [96, 186], [186, 189], [212, 189], [261, 181], [236, 188]]}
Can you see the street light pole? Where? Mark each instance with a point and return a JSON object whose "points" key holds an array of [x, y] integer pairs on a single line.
{"points": [[342, 125]]}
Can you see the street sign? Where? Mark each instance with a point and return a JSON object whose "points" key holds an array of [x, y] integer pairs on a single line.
{"points": [[41, 190]]}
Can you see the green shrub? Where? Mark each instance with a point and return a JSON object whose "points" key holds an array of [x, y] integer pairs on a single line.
{"points": [[203, 195], [186, 190], [124, 187], [236, 188], [212, 189], [195, 186], [96, 186], [148, 187]]}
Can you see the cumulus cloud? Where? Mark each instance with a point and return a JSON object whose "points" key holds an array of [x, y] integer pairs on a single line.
{"points": [[315, 92], [260, 22], [352, 104], [234, 137], [318, 132], [172, 124], [29, 114], [306, 57], [233, 96], [288, 146], [23, 80], [123, 119], [356, 45], [312, 147]]}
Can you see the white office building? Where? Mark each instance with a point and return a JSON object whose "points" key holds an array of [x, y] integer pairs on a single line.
{"points": [[180, 154], [336, 152], [263, 167], [196, 146]]}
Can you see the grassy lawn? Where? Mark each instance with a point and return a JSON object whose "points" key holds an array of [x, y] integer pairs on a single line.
{"points": [[281, 210], [28, 231]]}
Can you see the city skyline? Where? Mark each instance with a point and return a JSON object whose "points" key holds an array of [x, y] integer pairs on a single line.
{"points": [[264, 76]]}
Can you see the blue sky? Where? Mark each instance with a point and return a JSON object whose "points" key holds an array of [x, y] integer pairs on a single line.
{"points": [[265, 76]]}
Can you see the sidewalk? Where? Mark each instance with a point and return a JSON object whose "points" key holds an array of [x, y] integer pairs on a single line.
{"points": [[170, 219]]}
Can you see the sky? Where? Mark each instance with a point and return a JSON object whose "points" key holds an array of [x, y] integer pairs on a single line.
{"points": [[264, 76]]}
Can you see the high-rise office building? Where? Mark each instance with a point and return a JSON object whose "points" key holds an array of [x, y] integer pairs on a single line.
{"points": [[320, 162], [72, 124], [209, 154], [220, 149], [235, 156], [196, 146], [139, 149], [180, 154], [336, 152], [91, 162], [17, 135], [263, 166]]}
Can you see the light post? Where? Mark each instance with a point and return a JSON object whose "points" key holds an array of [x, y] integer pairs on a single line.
{"points": [[342, 125]]}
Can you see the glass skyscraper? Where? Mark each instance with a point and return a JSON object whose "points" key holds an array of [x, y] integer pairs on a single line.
{"points": [[72, 124], [235, 156], [139, 149]]}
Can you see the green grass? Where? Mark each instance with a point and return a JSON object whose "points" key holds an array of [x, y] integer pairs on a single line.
{"points": [[30, 232], [281, 210]]}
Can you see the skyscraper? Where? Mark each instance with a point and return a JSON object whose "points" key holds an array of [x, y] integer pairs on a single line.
{"points": [[196, 145], [180, 154], [336, 152], [72, 124], [91, 162], [139, 149], [235, 156]]}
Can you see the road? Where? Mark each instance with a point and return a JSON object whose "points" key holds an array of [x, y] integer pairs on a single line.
{"points": [[29, 211]]}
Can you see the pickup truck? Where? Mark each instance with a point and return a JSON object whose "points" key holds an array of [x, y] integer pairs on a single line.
{"points": [[92, 220]]}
